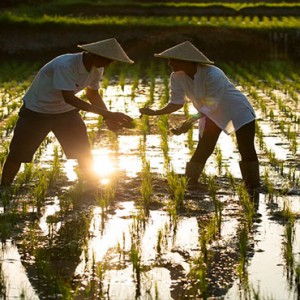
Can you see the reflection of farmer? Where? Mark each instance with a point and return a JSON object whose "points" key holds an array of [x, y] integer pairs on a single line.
{"points": [[220, 105], [51, 104]]}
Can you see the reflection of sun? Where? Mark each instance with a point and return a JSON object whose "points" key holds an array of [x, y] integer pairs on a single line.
{"points": [[103, 165]]}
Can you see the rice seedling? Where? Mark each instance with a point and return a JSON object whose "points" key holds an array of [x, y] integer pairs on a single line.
{"points": [[121, 250], [146, 186], [6, 196], [268, 183], [219, 158], [200, 265], [55, 171], [243, 251], [230, 178], [177, 186], [198, 274], [249, 204], [163, 128], [212, 188], [3, 153], [40, 191], [135, 251], [26, 176], [289, 234]]}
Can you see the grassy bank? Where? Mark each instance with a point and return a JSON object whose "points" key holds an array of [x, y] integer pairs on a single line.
{"points": [[58, 26]]}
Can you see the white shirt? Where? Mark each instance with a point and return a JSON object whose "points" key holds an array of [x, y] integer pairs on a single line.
{"points": [[63, 73], [213, 95]]}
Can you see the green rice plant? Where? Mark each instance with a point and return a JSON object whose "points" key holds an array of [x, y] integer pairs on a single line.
{"points": [[190, 140], [289, 234], [144, 125], [163, 128], [294, 144], [146, 186], [247, 203], [135, 258], [136, 232], [54, 172], [198, 275], [177, 186], [217, 203], [3, 153], [230, 177], [26, 175], [121, 250], [10, 124], [103, 202], [40, 190], [243, 251], [268, 183], [208, 233], [260, 137], [136, 75], [200, 266], [69, 199], [100, 272], [6, 197], [104, 199], [113, 138], [151, 77], [122, 77]]}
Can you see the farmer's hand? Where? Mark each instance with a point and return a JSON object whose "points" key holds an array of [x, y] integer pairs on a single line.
{"points": [[147, 111], [116, 121], [185, 126]]}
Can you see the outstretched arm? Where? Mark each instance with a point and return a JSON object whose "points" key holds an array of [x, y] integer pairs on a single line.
{"points": [[114, 120], [169, 108], [95, 98]]}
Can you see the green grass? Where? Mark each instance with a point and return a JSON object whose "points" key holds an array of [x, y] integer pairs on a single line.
{"points": [[59, 21], [132, 13]]}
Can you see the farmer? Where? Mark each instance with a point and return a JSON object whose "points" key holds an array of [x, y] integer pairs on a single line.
{"points": [[220, 106], [51, 104]]}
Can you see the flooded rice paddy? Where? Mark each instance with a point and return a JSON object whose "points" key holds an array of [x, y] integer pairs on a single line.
{"points": [[141, 234]]}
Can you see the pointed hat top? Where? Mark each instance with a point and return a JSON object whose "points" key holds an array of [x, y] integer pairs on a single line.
{"points": [[109, 48], [185, 51]]}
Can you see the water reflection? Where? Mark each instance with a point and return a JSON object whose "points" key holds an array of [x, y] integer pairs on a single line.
{"points": [[16, 283], [78, 244]]}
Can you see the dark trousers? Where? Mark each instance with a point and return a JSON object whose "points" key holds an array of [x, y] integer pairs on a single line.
{"points": [[245, 140]]}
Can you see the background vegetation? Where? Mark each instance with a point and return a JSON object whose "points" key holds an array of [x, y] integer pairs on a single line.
{"points": [[243, 30]]}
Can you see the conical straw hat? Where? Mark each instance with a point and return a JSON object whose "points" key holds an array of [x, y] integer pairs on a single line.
{"points": [[109, 48], [185, 51]]}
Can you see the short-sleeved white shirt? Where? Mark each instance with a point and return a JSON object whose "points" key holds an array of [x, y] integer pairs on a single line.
{"points": [[63, 73], [212, 94]]}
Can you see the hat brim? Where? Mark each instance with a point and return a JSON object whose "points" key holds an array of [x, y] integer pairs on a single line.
{"points": [[208, 62], [125, 60]]}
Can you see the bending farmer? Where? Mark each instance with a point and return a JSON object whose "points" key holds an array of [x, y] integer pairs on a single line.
{"points": [[220, 105], [51, 104]]}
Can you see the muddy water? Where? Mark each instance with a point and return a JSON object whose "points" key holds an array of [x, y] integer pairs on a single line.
{"points": [[117, 253]]}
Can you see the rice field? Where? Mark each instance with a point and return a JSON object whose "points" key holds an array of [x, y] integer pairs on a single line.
{"points": [[141, 234]]}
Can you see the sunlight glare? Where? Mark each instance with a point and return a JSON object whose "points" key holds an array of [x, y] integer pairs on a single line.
{"points": [[103, 165]]}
